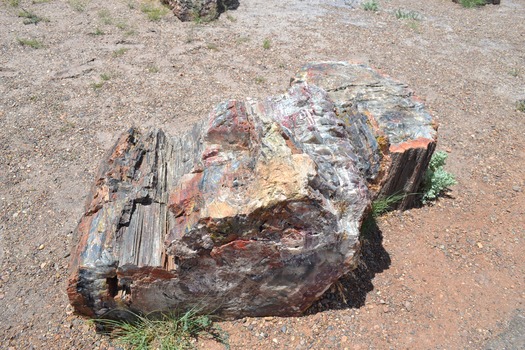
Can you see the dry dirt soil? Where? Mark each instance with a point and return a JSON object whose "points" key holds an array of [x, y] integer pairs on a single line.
{"points": [[447, 276]]}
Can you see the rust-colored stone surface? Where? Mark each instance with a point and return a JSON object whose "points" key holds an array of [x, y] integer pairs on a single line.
{"points": [[256, 211]]}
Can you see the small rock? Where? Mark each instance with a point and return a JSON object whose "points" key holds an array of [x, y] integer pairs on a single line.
{"points": [[480, 245], [516, 188], [408, 305], [283, 329], [40, 247]]}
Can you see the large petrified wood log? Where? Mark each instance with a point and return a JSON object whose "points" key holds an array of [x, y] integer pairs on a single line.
{"points": [[255, 211]]}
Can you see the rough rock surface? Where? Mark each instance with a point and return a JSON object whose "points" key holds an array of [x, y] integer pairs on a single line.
{"points": [[191, 10], [394, 136], [254, 212], [493, 2]]}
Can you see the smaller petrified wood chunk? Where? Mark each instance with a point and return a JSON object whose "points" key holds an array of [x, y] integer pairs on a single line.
{"points": [[206, 10], [394, 135]]}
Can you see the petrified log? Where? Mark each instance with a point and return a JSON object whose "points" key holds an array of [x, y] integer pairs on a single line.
{"points": [[256, 211], [493, 2]]}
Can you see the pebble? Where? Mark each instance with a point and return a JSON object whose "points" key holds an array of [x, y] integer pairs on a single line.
{"points": [[516, 188]]}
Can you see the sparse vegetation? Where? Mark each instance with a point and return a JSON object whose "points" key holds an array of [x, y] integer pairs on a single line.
{"points": [[231, 18], [164, 331], [260, 80], [98, 31], [371, 6], [414, 25], [436, 180], [78, 5], [12, 3], [121, 25], [33, 43], [382, 205], [105, 16], [267, 44], [520, 106], [472, 3], [31, 18], [242, 39], [212, 46], [404, 14], [515, 72], [97, 85], [105, 76], [120, 52], [153, 69], [154, 12]]}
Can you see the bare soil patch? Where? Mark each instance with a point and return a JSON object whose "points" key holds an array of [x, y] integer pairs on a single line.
{"points": [[449, 276]]}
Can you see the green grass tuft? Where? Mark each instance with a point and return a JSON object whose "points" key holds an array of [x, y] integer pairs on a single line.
{"points": [[120, 52], [79, 5], [371, 6], [31, 18], [520, 106], [33, 43], [162, 331], [154, 12], [382, 205], [472, 3], [403, 14], [267, 44], [436, 180]]}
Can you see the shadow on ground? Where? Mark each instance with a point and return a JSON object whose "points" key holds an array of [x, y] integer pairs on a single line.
{"points": [[351, 289]]}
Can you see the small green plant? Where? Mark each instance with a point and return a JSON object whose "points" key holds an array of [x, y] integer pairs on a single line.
{"points": [[403, 14], [153, 12], [260, 80], [267, 44], [520, 106], [40, 1], [31, 18], [153, 69], [33, 43], [105, 76], [132, 5], [98, 31], [97, 85], [13, 3], [162, 331], [515, 72], [472, 3], [436, 180], [371, 6], [79, 5], [231, 18], [242, 40], [212, 46], [414, 25], [120, 52], [105, 16], [382, 205], [121, 25]]}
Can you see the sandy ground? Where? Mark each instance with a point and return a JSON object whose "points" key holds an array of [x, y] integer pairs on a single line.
{"points": [[450, 276]]}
